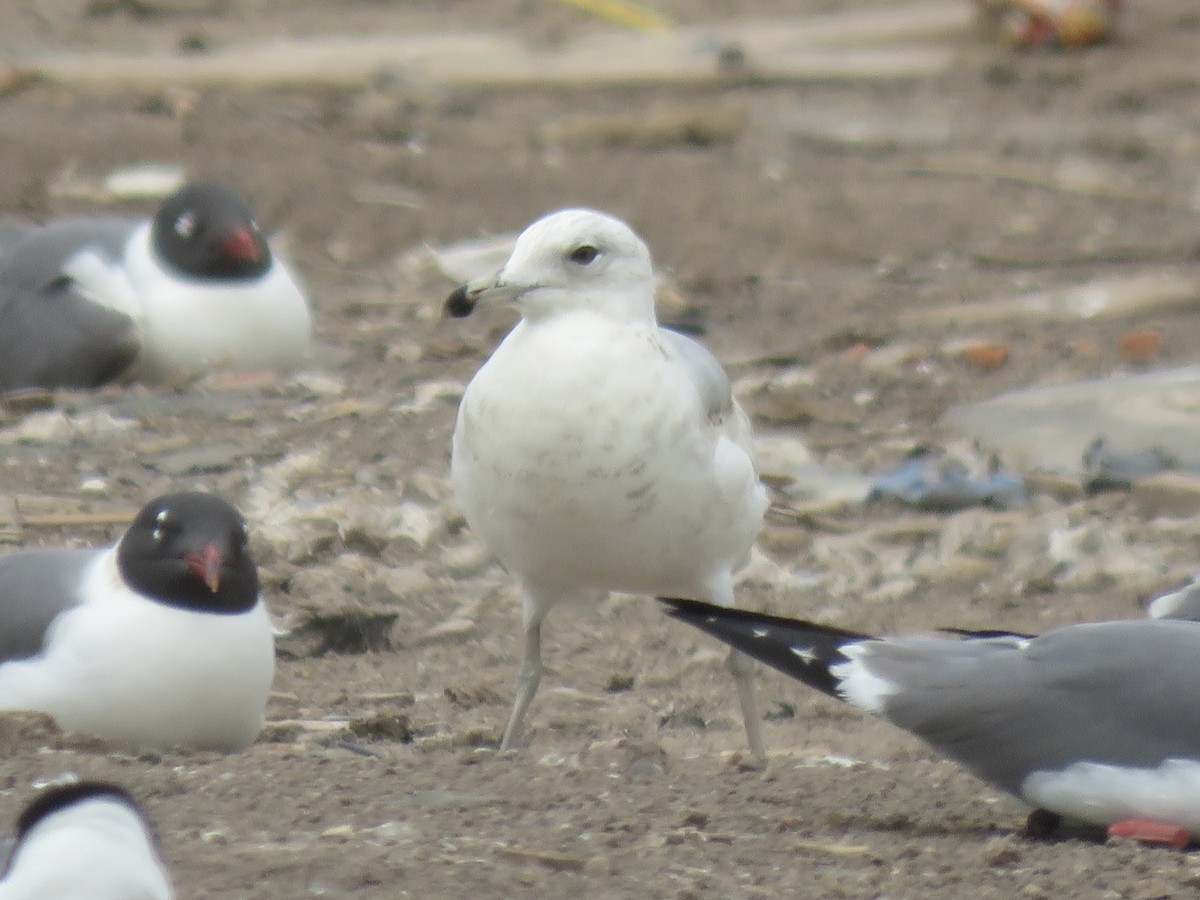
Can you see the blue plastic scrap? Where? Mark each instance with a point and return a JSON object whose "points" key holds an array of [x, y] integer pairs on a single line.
{"points": [[934, 483]]}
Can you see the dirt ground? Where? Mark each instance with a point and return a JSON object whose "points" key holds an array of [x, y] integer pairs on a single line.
{"points": [[377, 775]]}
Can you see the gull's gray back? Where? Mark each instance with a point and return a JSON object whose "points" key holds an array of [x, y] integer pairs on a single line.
{"points": [[1127, 693], [35, 260], [35, 586]]}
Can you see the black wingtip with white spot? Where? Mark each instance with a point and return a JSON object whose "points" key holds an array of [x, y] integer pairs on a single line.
{"points": [[802, 650]]}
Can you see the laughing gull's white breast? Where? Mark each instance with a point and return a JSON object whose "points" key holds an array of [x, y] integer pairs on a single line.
{"points": [[161, 640], [1097, 723], [595, 451], [88, 840], [196, 288]]}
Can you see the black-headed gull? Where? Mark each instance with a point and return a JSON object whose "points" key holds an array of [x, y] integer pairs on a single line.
{"points": [[596, 451], [87, 840], [196, 288], [161, 640], [1097, 723]]}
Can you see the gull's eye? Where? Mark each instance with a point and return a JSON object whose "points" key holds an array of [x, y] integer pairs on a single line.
{"points": [[162, 526], [584, 254], [185, 225]]}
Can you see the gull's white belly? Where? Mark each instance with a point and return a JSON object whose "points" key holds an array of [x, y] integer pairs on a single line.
{"points": [[127, 669], [1102, 794], [189, 328], [576, 474]]}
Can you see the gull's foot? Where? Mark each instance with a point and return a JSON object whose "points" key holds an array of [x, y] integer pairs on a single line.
{"points": [[1151, 834]]}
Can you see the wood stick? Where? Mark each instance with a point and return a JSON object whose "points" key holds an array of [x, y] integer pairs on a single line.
{"points": [[846, 46], [19, 520]]}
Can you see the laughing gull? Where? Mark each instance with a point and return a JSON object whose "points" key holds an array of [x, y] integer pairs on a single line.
{"points": [[596, 451], [85, 841], [84, 302], [1096, 723], [159, 641]]}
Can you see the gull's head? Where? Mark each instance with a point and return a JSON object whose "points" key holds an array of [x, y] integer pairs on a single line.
{"points": [[569, 260]]}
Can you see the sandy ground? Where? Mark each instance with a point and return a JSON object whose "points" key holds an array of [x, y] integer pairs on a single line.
{"points": [[376, 776]]}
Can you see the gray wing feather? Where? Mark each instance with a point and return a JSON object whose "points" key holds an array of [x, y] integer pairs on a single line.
{"points": [[55, 338], [35, 586], [709, 377], [12, 231], [36, 260], [1123, 693], [50, 336]]}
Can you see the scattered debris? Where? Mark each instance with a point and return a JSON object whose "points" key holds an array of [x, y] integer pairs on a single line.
{"points": [[935, 482], [860, 45], [1107, 299], [1142, 345], [1104, 469], [650, 129], [986, 355], [143, 182], [621, 12], [382, 726], [1171, 494], [1051, 427], [1065, 24]]}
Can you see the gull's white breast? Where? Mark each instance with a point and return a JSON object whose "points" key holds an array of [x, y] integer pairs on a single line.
{"points": [[92, 851], [583, 456], [188, 327], [128, 669]]}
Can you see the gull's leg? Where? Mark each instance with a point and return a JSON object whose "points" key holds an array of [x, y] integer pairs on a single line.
{"points": [[529, 676], [742, 667]]}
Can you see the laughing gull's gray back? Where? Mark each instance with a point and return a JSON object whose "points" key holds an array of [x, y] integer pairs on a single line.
{"points": [[35, 586], [41, 255], [1098, 723]]}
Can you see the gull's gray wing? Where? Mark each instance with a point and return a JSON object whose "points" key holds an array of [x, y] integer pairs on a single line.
{"points": [[50, 335], [54, 338], [35, 586], [706, 372], [12, 231], [1121, 693], [36, 259]]}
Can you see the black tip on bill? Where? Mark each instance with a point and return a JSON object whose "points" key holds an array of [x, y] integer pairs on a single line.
{"points": [[459, 304]]}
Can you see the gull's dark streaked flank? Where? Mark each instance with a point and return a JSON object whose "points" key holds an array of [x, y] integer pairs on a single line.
{"points": [[84, 302], [158, 641], [595, 451], [88, 840], [1097, 723]]}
